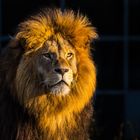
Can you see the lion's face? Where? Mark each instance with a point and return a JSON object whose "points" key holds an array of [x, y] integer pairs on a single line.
{"points": [[50, 70], [56, 66]]}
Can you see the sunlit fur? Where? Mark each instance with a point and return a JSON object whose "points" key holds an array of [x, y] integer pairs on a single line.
{"points": [[56, 117], [74, 27]]}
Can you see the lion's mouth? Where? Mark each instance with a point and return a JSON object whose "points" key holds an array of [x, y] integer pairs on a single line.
{"points": [[62, 82], [60, 88]]}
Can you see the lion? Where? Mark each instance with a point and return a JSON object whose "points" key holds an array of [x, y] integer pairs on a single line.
{"points": [[48, 78]]}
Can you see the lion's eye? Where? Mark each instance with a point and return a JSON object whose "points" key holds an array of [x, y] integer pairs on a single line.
{"points": [[47, 56], [69, 55]]}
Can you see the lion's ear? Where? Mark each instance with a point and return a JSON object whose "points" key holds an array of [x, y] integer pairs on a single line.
{"points": [[17, 43], [90, 39]]}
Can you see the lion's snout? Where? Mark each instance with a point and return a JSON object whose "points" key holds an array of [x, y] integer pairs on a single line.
{"points": [[61, 71]]}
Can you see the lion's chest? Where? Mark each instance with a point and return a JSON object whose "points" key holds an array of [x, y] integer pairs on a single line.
{"points": [[57, 127]]}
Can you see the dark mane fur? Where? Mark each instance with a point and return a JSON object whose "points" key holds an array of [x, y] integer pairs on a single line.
{"points": [[13, 118]]}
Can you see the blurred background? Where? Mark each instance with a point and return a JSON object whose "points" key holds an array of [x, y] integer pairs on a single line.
{"points": [[116, 54]]}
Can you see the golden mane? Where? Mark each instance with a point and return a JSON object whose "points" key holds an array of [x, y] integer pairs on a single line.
{"points": [[74, 27], [62, 113]]}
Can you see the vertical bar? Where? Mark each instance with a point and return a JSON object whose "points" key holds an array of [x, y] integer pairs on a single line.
{"points": [[125, 62], [62, 4], [0, 20], [125, 48]]}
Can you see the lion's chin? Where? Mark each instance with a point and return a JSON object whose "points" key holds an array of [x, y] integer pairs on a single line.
{"points": [[60, 89]]}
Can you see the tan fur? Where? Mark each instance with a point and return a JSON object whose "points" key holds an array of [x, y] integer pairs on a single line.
{"points": [[59, 113]]}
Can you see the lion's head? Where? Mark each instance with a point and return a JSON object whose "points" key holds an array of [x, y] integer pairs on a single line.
{"points": [[55, 72], [54, 68]]}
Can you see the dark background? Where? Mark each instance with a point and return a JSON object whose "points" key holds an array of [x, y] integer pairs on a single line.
{"points": [[116, 53]]}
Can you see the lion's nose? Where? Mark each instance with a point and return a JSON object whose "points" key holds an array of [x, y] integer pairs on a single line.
{"points": [[61, 70]]}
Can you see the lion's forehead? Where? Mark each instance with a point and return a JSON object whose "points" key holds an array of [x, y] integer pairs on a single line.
{"points": [[55, 43], [58, 45]]}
